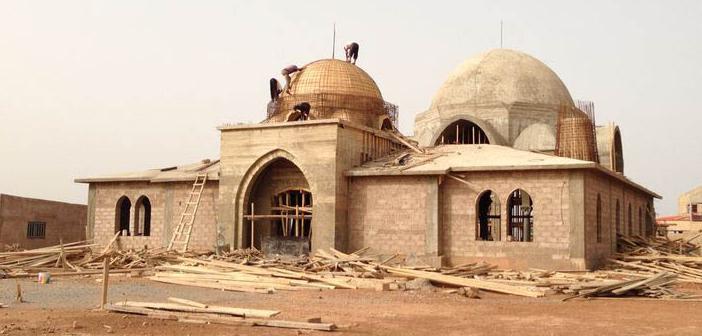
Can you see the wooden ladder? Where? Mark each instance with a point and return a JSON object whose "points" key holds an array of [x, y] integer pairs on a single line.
{"points": [[181, 234]]}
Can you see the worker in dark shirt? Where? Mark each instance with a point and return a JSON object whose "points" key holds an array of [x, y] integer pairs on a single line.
{"points": [[275, 88], [351, 50], [303, 109]]}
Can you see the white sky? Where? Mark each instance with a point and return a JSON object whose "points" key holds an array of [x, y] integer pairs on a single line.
{"points": [[96, 87]]}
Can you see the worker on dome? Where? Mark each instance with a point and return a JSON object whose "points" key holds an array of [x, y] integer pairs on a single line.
{"points": [[287, 71], [351, 50], [303, 109], [275, 89]]}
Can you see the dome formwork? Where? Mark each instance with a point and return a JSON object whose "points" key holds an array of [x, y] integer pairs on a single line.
{"points": [[334, 89]]}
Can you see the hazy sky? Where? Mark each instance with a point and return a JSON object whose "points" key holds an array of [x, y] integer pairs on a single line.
{"points": [[96, 87]]}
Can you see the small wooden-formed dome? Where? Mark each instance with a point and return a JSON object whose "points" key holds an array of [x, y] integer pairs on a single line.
{"points": [[334, 89]]}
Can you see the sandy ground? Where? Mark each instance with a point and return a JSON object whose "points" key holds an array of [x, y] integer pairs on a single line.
{"points": [[55, 308]]}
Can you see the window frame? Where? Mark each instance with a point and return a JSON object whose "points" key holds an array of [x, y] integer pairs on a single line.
{"points": [[36, 230]]}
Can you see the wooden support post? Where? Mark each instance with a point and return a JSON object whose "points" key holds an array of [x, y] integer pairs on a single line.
{"points": [[18, 297], [297, 221], [252, 224], [105, 281], [64, 263]]}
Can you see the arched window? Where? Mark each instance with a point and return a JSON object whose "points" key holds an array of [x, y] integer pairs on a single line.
{"points": [[520, 221], [123, 209], [617, 219], [649, 220], [630, 225], [462, 132], [488, 219], [599, 219], [618, 152], [641, 228], [386, 125], [142, 217]]}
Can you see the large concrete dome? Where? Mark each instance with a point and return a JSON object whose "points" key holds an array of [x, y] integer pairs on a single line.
{"points": [[334, 89], [502, 93], [502, 76]]}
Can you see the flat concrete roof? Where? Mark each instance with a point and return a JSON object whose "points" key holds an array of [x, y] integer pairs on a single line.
{"points": [[305, 123], [40, 199], [182, 173], [441, 160]]}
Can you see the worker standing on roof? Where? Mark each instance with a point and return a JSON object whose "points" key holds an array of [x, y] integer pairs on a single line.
{"points": [[275, 89], [287, 71], [303, 109], [351, 50]]}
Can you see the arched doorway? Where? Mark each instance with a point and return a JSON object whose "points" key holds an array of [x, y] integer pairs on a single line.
{"points": [[142, 217], [462, 132], [122, 214], [488, 219], [278, 213]]}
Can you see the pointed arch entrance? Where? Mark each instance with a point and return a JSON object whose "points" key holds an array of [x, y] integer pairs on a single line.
{"points": [[278, 209]]}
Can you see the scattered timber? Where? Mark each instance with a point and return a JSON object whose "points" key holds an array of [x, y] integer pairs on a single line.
{"points": [[188, 314]]}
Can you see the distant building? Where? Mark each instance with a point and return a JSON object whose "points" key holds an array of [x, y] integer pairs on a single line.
{"points": [[34, 223], [689, 217]]}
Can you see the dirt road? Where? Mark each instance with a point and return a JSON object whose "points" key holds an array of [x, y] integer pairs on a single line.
{"points": [[57, 307]]}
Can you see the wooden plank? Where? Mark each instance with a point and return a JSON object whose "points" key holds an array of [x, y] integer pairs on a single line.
{"points": [[211, 309], [210, 318], [214, 285], [465, 282], [187, 302], [296, 325]]}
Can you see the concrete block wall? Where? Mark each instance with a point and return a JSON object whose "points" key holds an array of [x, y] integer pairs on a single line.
{"points": [[349, 153], [606, 188], [555, 243], [65, 221], [393, 214], [247, 150], [167, 204], [322, 149], [613, 191]]}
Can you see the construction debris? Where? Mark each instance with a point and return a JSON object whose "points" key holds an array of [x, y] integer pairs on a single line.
{"points": [[214, 314], [653, 286], [643, 268]]}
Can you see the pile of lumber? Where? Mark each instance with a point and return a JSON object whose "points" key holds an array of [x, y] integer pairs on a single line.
{"points": [[184, 310], [655, 286], [638, 245], [249, 272], [64, 255], [647, 257], [79, 258]]}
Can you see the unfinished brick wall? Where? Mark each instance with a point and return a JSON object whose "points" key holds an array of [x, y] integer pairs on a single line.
{"points": [[611, 192], [553, 235], [63, 221], [607, 189], [167, 204], [389, 213]]}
